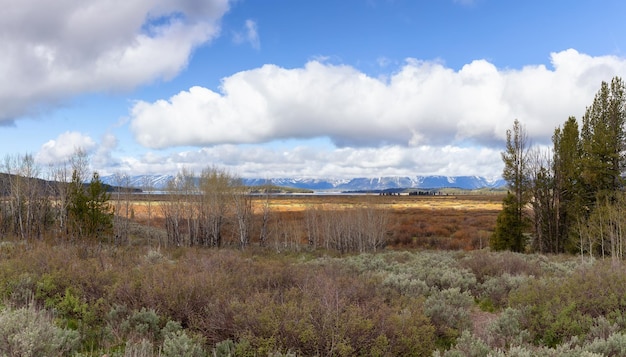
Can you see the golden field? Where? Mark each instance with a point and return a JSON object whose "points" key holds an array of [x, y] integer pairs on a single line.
{"points": [[430, 222]]}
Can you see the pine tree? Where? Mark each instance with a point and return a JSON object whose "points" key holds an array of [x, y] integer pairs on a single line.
{"points": [[567, 153], [516, 174], [509, 232], [602, 138], [89, 211]]}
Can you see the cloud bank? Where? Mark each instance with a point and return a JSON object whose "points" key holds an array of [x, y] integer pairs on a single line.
{"points": [[309, 160], [424, 104], [54, 50]]}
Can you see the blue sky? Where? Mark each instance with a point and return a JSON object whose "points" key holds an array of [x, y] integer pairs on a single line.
{"points": [[279, 88]]}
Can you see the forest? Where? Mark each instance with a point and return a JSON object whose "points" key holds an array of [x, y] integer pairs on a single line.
{"points": [[209, 269]]}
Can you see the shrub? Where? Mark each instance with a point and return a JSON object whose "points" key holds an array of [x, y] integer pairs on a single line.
{"points": [[467, 345], [507, 330], [486, 264], [176, 343], [613, 345], [449, 312], [28, 331], [438, 270], [558, 308]]}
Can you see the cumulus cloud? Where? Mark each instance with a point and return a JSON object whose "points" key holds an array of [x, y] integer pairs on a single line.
{"points": [[63, 147], [53, 50], [422, 104], [312, 161]]}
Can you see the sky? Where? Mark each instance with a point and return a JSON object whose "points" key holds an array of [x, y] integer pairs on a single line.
{"points": [[311, 89]]}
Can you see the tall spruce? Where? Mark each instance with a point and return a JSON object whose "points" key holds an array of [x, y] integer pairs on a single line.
{"points": [[602, 166], [567, 153], [602, 138], [516, 174]]}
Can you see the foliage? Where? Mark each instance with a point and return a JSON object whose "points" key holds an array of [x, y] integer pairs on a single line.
{"points": [[449, 312], [568, 206], [512, 223], [28, 331], [602, 138], [142, 301], [510, 227], [89, 208]]}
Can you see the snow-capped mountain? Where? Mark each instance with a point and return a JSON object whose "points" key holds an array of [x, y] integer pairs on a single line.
{"points": [[159, 182]]}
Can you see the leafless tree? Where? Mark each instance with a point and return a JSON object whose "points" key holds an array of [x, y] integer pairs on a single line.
{"points": [[148, 188], [122, 216], [215, 186], [242, 205], [265, 216]]}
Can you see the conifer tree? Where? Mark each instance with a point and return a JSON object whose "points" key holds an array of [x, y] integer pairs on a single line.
{"points": [[516, 174], [89, 209], [567, 153], [509, 232], [603, 139]]}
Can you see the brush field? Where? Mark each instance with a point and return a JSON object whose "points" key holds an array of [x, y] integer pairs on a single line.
{"points": [[433, 290], [431, 222]]}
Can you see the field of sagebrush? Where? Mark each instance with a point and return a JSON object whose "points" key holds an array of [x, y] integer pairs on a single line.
{"points": [[432, 290], [93, 299]]}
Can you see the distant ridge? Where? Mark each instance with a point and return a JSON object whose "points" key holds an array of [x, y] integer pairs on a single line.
{"points": [[159, 182]]}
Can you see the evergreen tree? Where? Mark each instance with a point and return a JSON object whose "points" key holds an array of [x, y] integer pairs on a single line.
{"points": [[516, 174], [543, 204], [602, 138], [567, 153], [89, 211], [602, 165], [509, 232]]}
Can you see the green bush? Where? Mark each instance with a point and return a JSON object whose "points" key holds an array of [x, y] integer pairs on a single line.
{"points": [[613, 345], [507, 330], [558, 308], [449, 311], [28, 331], [467, 345], [178, 344]]}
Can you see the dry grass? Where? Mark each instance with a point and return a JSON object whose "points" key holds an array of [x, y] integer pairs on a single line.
{"points": [[431, 222], [296, 203]]}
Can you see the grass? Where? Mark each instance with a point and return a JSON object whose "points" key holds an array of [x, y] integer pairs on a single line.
{"points": [[433, 290], [427, 222]]}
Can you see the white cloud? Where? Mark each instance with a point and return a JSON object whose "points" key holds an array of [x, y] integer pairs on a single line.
{"points": [[249, 34], [422, 104], [313, 161], [53, 50], [63, 147], [103, 154]]}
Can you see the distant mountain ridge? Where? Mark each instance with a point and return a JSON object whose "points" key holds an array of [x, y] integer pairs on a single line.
{"points": [[159, 182]]}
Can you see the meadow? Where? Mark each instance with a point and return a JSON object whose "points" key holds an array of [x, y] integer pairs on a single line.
{"points": [[433, 289], [461, 221]]}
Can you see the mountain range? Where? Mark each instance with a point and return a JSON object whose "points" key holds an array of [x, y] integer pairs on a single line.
{"points": [[159, 182]]}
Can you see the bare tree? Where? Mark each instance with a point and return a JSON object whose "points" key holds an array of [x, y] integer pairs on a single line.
{"points": [[242, 205], [357, 229], [215, 185], [148, 188], [172, 208], [61, 177], [27, 211], [265, 215], [122, 216]]}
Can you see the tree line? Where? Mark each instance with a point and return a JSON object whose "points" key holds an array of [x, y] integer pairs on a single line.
{"points": [[571, 197], [64, 205], [212, 209]]}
